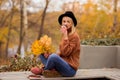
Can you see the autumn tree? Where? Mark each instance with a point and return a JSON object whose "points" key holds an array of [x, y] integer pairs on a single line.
{"points": [[115, 16], [42, 20], [10, 25], [3, 16], [5, 20], [23, 24]]}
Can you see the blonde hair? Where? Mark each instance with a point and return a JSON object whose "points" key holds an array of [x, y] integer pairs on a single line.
{"points": [[73, 30]]}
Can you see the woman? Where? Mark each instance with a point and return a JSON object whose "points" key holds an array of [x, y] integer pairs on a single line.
{"points": [[66, 62]]}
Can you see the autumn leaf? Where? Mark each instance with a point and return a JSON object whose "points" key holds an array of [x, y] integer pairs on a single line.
{"points": [[44, 45]]}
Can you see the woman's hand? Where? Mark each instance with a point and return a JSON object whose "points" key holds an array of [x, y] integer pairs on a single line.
{"points": [[46, 55], [63, 30]]}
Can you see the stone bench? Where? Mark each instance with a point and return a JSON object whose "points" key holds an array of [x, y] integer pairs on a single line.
{"points": [[82, 74]]}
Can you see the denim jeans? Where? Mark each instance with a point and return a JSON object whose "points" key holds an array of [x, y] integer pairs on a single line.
{"points": [[54, 61]]}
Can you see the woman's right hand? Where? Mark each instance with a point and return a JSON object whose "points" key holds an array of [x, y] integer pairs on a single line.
{"points": [[46, 55]]}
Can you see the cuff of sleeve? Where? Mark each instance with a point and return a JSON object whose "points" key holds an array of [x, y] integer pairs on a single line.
{"points": [[66, 41]]}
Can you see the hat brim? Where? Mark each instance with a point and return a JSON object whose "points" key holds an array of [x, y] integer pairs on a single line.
{"points": [[68, 15]]}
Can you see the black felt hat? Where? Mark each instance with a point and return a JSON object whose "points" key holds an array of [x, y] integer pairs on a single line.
{"points": [[68, 14]]}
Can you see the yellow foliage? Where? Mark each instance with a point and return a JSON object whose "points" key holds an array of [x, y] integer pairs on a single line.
{"points": [[44, 45], [3, 33]]}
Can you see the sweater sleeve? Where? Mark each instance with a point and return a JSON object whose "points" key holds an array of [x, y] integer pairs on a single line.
{"points": [[67, 46]]}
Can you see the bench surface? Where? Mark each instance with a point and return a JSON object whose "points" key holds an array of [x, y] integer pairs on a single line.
{"points": [[112, 74]]}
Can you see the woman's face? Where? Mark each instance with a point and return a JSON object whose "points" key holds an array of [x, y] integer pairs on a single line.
{"points": [[67, 22]]}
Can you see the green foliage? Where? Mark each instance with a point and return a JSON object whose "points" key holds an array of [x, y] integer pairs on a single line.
{"points": [[106, 42], [20, 64]]}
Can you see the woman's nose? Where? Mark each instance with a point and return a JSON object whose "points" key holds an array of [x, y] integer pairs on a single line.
{"points": [[65, 23]]}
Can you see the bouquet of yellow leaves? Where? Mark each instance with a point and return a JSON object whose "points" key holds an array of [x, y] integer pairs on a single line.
{"points": [[44, 45]]}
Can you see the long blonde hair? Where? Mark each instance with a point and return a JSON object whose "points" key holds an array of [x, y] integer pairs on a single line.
{"points": [[73, 30]]}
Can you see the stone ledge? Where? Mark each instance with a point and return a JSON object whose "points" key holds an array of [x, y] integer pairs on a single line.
{"points": [[95, 57]]}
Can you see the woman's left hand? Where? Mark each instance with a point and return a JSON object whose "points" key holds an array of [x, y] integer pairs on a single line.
{"points": [[64, 32], [63, 29]]}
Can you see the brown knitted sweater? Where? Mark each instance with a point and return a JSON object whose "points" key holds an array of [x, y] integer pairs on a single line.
{"points": [[70, 50]]}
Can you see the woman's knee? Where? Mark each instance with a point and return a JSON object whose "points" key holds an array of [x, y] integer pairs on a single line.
{"points": [[53, 56]]}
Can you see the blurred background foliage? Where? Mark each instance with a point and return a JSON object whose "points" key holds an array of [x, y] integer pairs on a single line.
{"points": [[98, 23], [16, 63]]}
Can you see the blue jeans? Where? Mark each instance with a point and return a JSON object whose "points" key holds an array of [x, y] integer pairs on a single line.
{"points": [[54, 61]]}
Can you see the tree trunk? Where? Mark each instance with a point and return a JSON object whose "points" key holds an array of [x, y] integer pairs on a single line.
{"points": [[9, 29], [115, 16], [9, 33], [0, 49], [21, 27], [24, 25], [42, 20]]}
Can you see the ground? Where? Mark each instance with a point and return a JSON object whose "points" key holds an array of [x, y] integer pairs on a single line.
{"points": [[97, 74]]}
